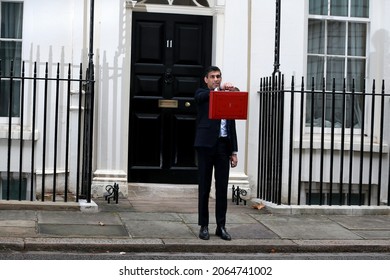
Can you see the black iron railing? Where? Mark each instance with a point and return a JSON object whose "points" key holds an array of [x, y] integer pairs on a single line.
{"points": [[323, 147], [270, 139], [47, 139]]}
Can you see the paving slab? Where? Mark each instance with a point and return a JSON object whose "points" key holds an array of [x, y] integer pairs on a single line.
{"points": [[18, 231], [233, 218], [18, 215], [192, 218], [158, 229], [363, 222], [83, 230], [123, 205], [152, 216], [17, 223], [306, 227], [251, 231], [17, 228], [64, 217], [373, 234], [240, 218]]}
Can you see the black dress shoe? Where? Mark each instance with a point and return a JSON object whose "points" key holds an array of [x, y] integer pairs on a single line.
{"points": [[221, 232], [204, 233]]}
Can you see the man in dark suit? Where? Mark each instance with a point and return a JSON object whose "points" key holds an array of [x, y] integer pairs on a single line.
{"points": [[216, 145]]}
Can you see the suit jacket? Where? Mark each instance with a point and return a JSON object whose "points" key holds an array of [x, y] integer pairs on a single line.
{"points": [[207, 130]]}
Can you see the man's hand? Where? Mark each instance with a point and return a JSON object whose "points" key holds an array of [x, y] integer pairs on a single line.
{"points": [[228, 87], [233, 160]]}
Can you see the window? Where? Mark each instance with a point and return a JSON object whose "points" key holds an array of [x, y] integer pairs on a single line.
{"points": [[11, 18], [337, 36]]}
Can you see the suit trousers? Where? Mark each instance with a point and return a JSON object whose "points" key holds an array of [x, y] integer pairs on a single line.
{"points": [[217, 158]]}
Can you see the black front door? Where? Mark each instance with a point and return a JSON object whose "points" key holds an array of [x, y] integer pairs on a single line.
{"points": [[169, 54]]}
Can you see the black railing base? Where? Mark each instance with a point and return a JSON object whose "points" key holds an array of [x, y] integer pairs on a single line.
{"points": [[112, 193], [236, 195]]}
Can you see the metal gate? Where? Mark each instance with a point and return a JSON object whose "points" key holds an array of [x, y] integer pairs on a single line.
{"points": [[46, 137]]}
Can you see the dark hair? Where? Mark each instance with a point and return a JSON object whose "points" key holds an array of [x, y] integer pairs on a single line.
{"points": [[211, 69]]}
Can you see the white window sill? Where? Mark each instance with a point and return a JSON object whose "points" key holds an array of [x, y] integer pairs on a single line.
{"points": [[15, 133], [337, 143]]}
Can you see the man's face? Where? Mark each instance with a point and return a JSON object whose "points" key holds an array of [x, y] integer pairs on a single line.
{"points": [[213, 79]]}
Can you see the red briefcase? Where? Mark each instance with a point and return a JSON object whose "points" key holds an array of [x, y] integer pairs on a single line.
{"points": [[228, 105]]}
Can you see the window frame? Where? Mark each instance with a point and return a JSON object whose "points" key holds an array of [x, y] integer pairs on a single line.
{"points": [[326, 57], [345, 56]]}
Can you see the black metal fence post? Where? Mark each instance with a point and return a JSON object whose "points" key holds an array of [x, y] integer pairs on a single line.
{"points": [[277, 37], [89, 115]]}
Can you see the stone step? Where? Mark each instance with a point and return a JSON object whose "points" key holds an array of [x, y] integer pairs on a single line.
{"points": [[162, 190]]}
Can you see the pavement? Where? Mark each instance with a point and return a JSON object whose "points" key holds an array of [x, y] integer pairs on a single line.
{"points": [[146, 222]]}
